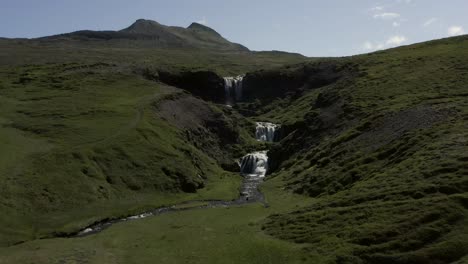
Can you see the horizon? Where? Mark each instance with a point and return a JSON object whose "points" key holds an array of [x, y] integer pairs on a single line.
{"points": [[377, 25]]}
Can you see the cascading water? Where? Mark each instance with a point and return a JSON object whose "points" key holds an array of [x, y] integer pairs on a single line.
{"points": [[267, 132], [233, 89], [253, 167], [255, 163]]}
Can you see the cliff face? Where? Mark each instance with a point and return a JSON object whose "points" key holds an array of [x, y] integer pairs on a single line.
{"points": [[205, 84]]}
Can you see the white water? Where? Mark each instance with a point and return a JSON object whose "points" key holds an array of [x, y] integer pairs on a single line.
{"points": [[233, 89], [255, 163], [266, 131]]}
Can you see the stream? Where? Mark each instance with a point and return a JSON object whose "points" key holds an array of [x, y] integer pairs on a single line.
{"points": [[253, 168]]}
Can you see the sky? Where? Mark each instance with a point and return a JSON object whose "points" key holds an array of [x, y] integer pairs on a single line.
{"points": [[313, 28]]}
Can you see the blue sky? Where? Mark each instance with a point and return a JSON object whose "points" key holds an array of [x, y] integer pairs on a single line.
{"points": [[313, 28]]}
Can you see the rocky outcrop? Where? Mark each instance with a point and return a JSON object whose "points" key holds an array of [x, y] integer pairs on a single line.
{"points": [[204, 84], [267, 85], [325, 118], [213, 132]]}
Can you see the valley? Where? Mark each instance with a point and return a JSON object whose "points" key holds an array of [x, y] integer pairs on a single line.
{"points": [[135, 146]]}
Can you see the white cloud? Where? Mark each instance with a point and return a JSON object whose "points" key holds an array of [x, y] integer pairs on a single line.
{"points": [[368, 45], [430, 22], [392, 41], [404, 1], [456, 31], [202, 21], [396, 40], [387, 16], [377, 8], [396, 24]]}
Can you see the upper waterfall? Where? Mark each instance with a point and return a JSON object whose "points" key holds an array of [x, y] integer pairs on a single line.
{"points": [[266, 132], [233, 89]]}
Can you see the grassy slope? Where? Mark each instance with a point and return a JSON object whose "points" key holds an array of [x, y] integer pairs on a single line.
{"points": [[391, 185], [128, 54], [89, 144]]}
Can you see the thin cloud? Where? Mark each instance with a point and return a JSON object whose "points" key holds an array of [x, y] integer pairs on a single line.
{"points": [[456, 31], [396, 40], [202, 21], [377, 8], [430, 22], [392, 41], [368, 45], [387, 16]]}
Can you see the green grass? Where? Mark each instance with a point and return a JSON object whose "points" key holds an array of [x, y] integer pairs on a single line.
{"points": [[228, 235], [385, 161]]}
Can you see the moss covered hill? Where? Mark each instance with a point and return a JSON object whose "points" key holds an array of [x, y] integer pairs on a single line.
{"points": [[371, 166], [380, 142]]}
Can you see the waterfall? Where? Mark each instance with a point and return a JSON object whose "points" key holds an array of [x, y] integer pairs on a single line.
{"points": [[255, 163], [266, 132], [233, 89]]}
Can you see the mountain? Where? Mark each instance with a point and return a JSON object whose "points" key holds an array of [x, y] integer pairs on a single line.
{"points": [[151, 33]]}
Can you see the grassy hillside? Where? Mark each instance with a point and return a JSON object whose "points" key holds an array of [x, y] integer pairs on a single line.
{"points": [[384, 155], [79, 137]]}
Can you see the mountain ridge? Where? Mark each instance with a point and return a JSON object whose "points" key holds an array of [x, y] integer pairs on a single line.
{"points": [[195, 36]]}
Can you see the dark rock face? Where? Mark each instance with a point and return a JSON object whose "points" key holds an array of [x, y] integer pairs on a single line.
{"points": [[326, 99], [268, 85], [210, 131], [230, 166], [205, 84], [190, 186], [307, 133], [288, 146]]}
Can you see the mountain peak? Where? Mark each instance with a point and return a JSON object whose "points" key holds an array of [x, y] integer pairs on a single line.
{"points": [[142, 21], [144, 26], [202, 28]]}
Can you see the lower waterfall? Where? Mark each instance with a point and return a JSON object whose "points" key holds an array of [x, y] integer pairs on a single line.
{"points": [[255, 163]]}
